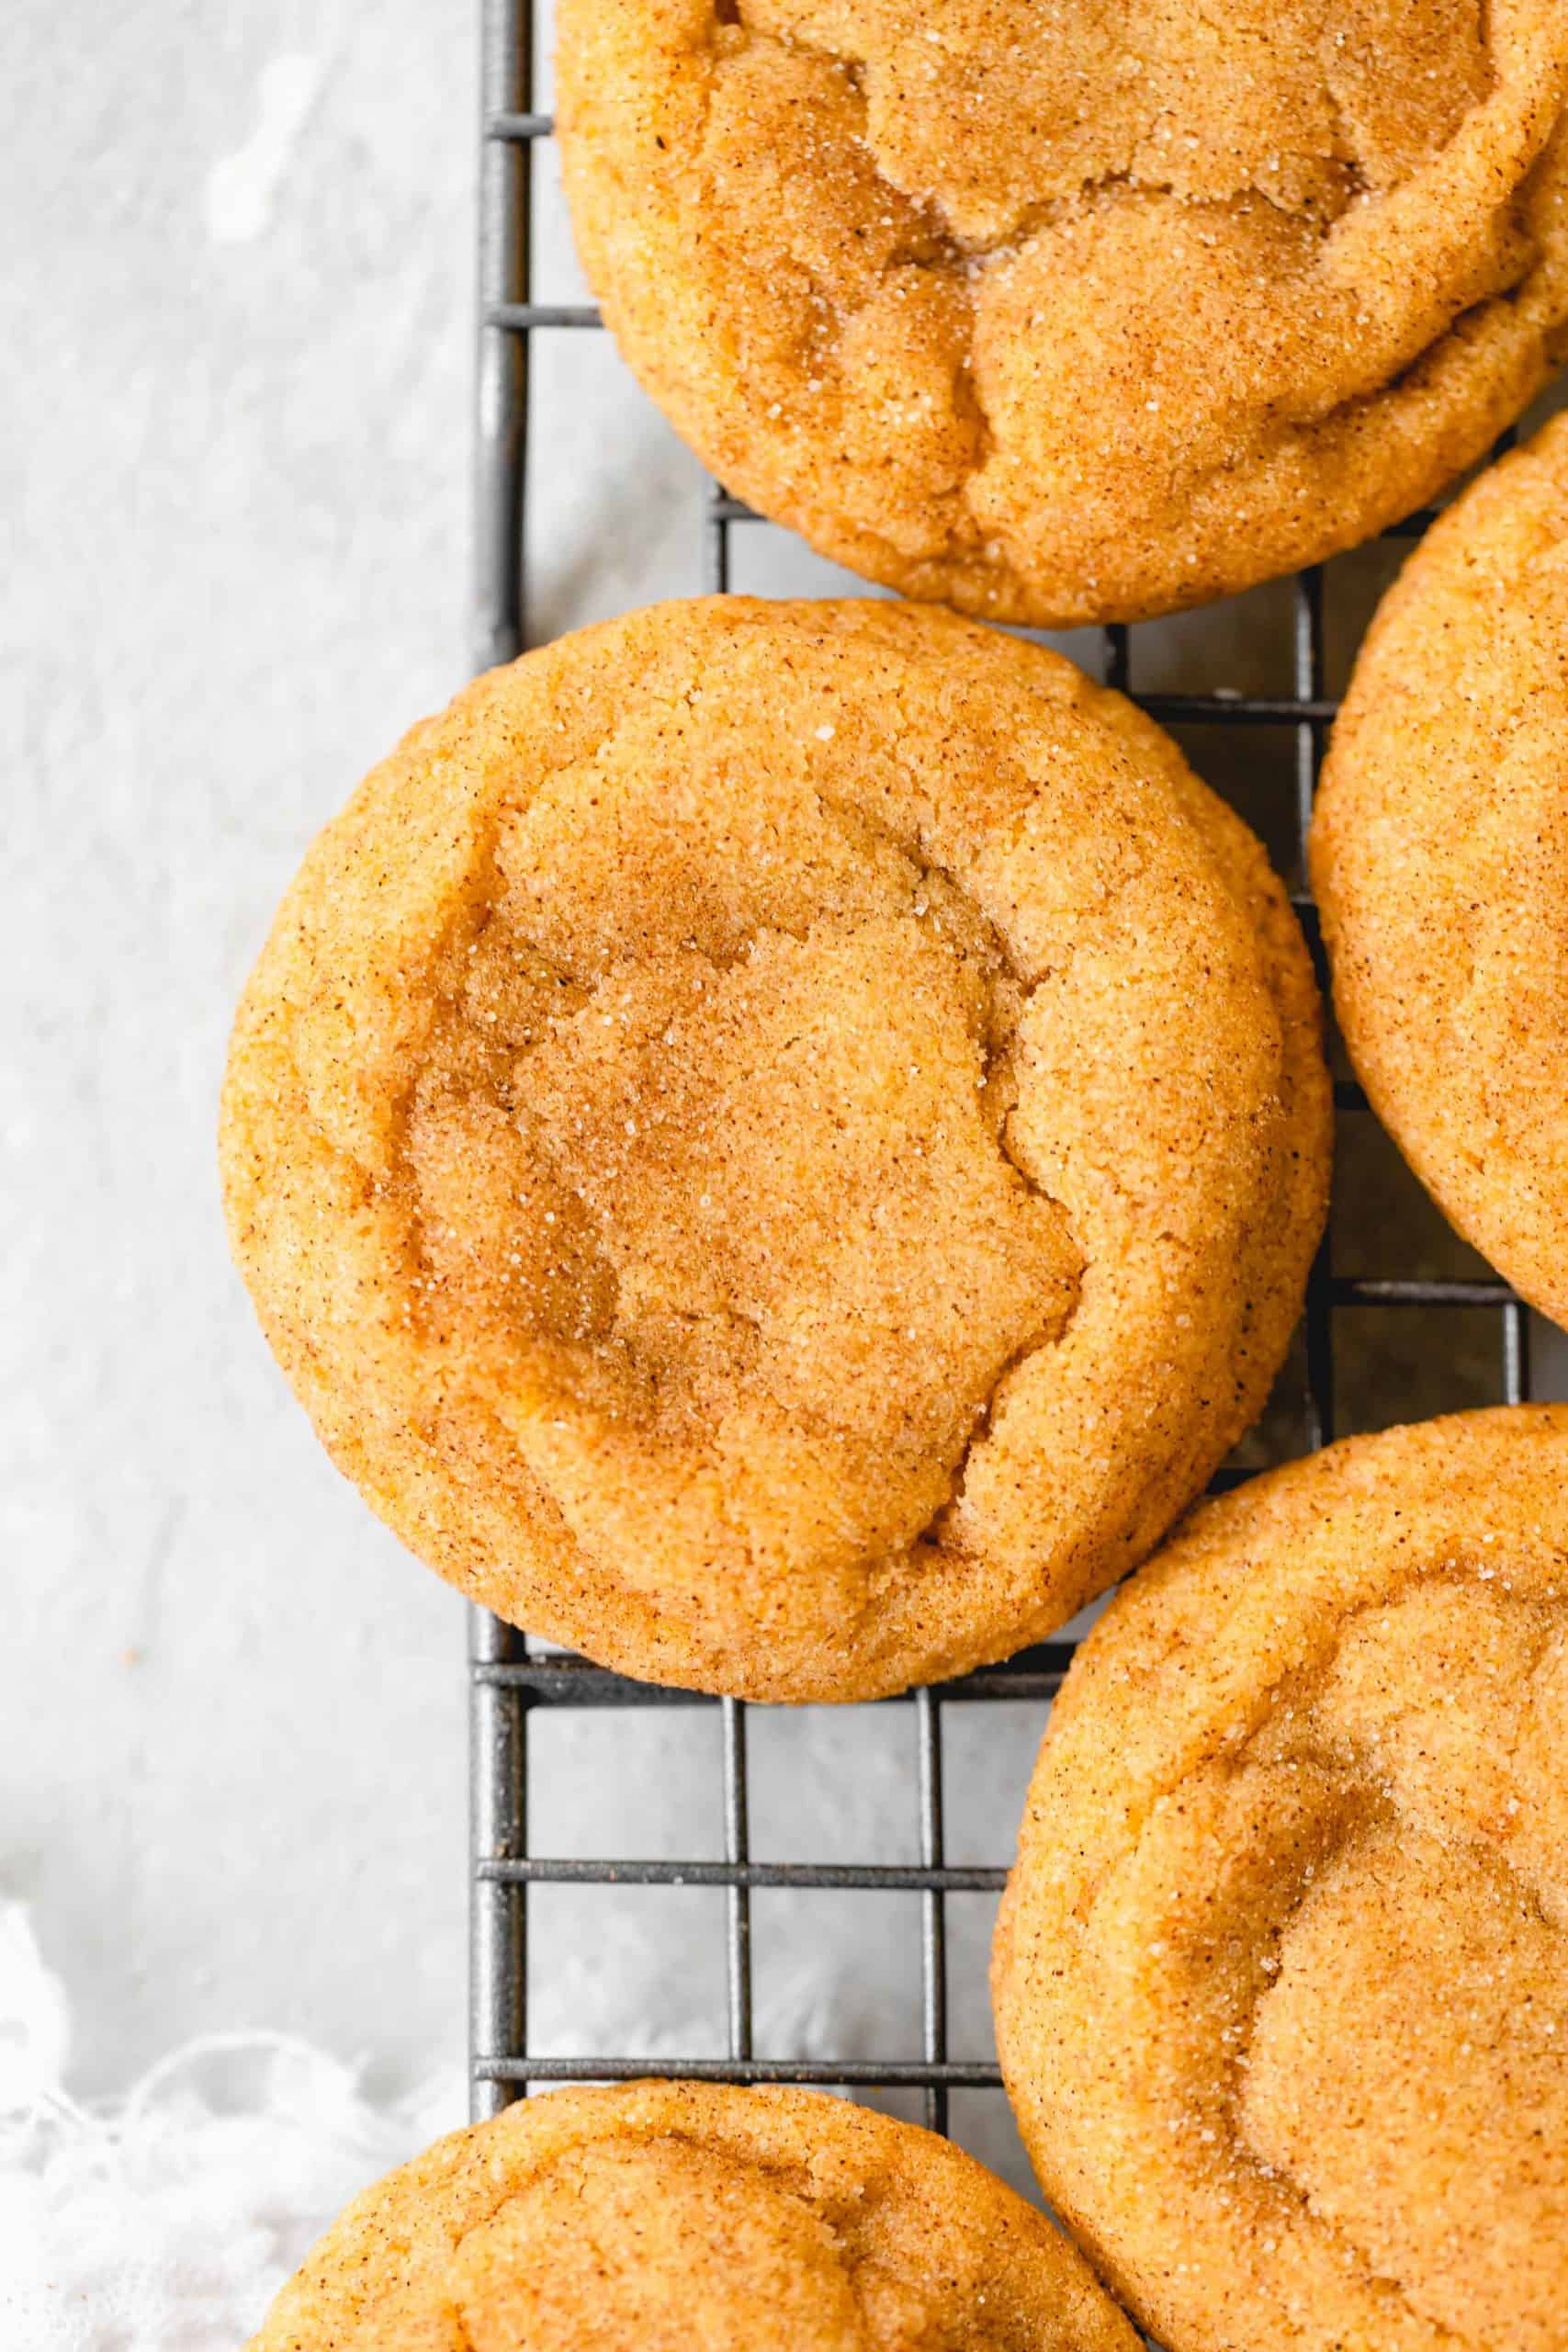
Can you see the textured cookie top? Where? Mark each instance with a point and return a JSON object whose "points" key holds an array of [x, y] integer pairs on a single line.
{"points": [[665, 2216], [1440, 859], [1078, 313], [1282, 1975], [984, 115], [716, 1123], [779, 1144]]}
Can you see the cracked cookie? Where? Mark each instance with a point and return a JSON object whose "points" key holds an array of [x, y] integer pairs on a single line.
{"points": [[668, 2216], [1281, 1972], [780, 1144], [1081, 313], [1440, 856]]}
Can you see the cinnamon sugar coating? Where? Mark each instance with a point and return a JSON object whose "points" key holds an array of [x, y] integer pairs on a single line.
{"points": [[1282, 1972], [1076, 312], [664, 2216], [1440, 856], [779, 1144]]}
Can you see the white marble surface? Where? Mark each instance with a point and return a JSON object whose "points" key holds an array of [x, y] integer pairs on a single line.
{"points": [[236, 438], [231, 1777]]}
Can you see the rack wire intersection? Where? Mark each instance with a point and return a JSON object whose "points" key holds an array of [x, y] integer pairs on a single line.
{"points": [[512, 1682]]}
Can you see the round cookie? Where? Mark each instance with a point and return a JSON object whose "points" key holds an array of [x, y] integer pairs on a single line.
{"points": [[1281, 1972], [779, 1145], [675, 2216], [1440, 856], [1081, 313]]}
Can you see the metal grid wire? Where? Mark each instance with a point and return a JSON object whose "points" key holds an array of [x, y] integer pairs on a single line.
{"points": [[511, 1681]]}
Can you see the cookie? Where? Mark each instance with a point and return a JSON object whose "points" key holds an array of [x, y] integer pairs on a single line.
{"points": [[780, 1144], [1078, 314], [1440, 856], [1282, 1972], [679, 2215]]}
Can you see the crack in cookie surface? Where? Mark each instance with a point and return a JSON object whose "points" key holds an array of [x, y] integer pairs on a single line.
{"points": [[880, 261], [1307, 1967], [1392, 1915], [778, 1143], [621, 2241], [982, 110], [717, 1133], [667, 2215]]}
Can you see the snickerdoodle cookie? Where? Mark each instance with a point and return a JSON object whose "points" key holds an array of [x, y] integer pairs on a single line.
{"points": [[1076, 312], [779, 1144], [1282, 1974], [1440, 855], [667, 2216]]}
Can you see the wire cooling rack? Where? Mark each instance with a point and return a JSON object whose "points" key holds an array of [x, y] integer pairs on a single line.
{"points": [[516, 1685]]}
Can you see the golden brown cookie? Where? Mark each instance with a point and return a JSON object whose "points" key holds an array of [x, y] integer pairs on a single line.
{"points": [[779, 1144], [676, 2216], [1440, 855], [1080, 313], [1282, 1974]]}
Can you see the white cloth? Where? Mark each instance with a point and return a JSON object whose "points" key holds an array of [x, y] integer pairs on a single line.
{"points": [[166, 2222]]}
